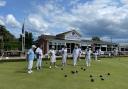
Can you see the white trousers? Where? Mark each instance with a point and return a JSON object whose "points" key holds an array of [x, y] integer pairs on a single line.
{"points": [[88, 61], [64, 58], [75, 60], [95, 57], [30, 64], [53, 59], [39, 62]]}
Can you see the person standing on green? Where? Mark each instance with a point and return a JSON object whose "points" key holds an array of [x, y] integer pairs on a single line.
{"points": [[30, 58]]}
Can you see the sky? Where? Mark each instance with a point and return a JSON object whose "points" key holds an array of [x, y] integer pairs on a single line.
{"points": [[104, 18]]}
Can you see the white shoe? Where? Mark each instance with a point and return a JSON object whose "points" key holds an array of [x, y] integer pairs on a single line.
{"points": [[29, 72], [55, 66], [37, 68], [75, 64], [50, 67], [87, 65]]}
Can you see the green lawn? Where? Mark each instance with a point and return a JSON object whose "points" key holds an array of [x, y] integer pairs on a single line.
{"points": [[13, 75]]}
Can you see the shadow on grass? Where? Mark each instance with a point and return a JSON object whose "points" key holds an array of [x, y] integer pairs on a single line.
{"points": [[2, 62], [21, 71], [81, 65]]}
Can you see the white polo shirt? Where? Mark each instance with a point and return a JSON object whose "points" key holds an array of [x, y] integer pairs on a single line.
{"points": [[40, 52]]}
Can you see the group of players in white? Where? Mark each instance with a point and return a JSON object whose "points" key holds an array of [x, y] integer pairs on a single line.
{"points": [[76, 55]]}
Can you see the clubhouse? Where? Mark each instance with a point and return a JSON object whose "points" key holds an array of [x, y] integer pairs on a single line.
{"points": [[70, 38]]}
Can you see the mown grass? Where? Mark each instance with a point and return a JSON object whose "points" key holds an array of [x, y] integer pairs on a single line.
{"points": [[13, 75]]}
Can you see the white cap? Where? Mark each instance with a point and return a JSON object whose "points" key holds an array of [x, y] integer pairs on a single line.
{"points": [[33, 46]]}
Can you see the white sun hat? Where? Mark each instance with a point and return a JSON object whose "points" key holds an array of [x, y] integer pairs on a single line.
{"points": [[33, 46]]}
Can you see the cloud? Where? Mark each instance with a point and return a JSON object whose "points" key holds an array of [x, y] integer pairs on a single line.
{"points": [[1, 20], [104, 18], [2, 3], [74, 2], [36, 22], [101, 18], [12, 22], [125, 2]]}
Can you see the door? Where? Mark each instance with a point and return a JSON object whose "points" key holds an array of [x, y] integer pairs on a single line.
{"points": [[72, 47]]}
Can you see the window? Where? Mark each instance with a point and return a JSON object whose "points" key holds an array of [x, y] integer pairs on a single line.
{"points": [[126, 49], [50, 46], [122, 49], [103, 48], [50, 43], [55, 43], [96, 48], [59, 47], [59, 43], [108, 49], [83, 47], [68, 45]]}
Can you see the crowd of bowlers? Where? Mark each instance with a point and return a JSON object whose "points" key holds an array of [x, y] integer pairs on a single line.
{"points": [[76, 56]]}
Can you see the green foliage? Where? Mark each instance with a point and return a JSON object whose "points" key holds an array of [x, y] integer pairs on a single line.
{"points": [[95, 38], [28, 40], [9, 41]]}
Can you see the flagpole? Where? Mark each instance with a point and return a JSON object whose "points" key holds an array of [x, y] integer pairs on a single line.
{"points": [[23, 37], [22, 42]]}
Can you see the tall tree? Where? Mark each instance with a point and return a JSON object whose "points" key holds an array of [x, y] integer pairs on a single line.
{"points": [[28, 39], [9, 41], [95, 38]]}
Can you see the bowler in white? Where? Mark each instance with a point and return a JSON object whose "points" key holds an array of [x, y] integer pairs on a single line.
{"points": [[39, 54], [64, 55]]}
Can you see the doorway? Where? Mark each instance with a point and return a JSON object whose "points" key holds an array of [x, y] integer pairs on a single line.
{"points": [[72, 47]]}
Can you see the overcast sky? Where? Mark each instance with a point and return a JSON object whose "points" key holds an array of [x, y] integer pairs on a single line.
{"points": [[104, 18]]}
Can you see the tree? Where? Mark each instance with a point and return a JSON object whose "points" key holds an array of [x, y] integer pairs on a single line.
{"points": [[95, 38], [20, 42], [28, 39], [9, 41]]}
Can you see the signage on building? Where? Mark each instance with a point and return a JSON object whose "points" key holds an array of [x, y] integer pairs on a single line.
{"points": [[72, 36]]}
